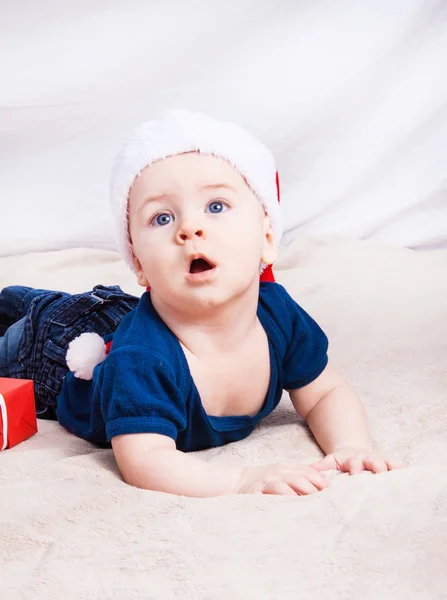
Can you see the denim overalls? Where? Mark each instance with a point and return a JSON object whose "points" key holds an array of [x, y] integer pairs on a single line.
{"points": [[37, 325]]}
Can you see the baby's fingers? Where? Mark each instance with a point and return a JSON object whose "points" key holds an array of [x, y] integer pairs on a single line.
{"points": [[376, 465], [317, 479], [303, 486], [355, 466], [395, 464], [278, 488], [325, 464]]}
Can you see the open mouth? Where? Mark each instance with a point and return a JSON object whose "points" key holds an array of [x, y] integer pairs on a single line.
{"points": [[200, 265]]}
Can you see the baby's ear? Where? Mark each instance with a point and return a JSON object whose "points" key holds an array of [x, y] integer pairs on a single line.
{"points": [[269, 251], [141, 277]]}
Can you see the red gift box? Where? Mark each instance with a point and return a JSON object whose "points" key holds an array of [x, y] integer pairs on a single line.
{"points": [[17, 411]]}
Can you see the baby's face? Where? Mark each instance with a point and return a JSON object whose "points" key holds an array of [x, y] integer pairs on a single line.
{"points": [[198, 232]]}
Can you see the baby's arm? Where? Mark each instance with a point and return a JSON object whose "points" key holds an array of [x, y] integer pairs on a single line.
{"points": [[333, 412], [338, 421], [151, 461]]}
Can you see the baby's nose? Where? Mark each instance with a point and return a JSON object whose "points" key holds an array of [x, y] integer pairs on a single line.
{"points": [[184, 235], [189, 229]]}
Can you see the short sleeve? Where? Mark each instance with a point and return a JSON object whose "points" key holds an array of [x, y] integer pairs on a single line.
{"points": [[140, 393], [306, 354]]}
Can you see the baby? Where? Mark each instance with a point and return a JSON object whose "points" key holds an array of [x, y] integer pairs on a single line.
{"points": [[209, 349]]}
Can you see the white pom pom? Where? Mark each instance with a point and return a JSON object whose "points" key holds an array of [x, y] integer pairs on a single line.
{"points": [[84, 353]]}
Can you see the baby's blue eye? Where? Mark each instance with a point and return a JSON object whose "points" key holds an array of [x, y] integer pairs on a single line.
{"points": [[216, 207], [163, 219]]}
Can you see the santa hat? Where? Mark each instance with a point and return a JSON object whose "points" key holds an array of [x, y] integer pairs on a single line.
{"points": [[177, 132]]}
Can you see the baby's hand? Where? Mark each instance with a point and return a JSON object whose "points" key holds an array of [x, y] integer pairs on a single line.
{"points": [[353, 460], [281, 480]]}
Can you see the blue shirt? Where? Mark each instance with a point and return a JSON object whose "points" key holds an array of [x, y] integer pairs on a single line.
{"points": [[145, 386]]}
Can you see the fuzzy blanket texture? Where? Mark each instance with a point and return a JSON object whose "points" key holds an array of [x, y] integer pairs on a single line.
{"points": [[72, 529]]}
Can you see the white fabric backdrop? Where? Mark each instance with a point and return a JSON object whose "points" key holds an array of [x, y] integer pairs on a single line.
{"points": [[351, 96]]}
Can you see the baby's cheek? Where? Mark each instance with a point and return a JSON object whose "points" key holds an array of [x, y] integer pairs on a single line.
{"points": [[249, 239]]}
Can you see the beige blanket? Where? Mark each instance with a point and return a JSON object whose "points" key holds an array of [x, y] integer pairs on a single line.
{"points": [[71, 529]]}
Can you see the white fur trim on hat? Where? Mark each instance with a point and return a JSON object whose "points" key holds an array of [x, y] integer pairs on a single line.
{"points": [[179, 131], [84, 353]]}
